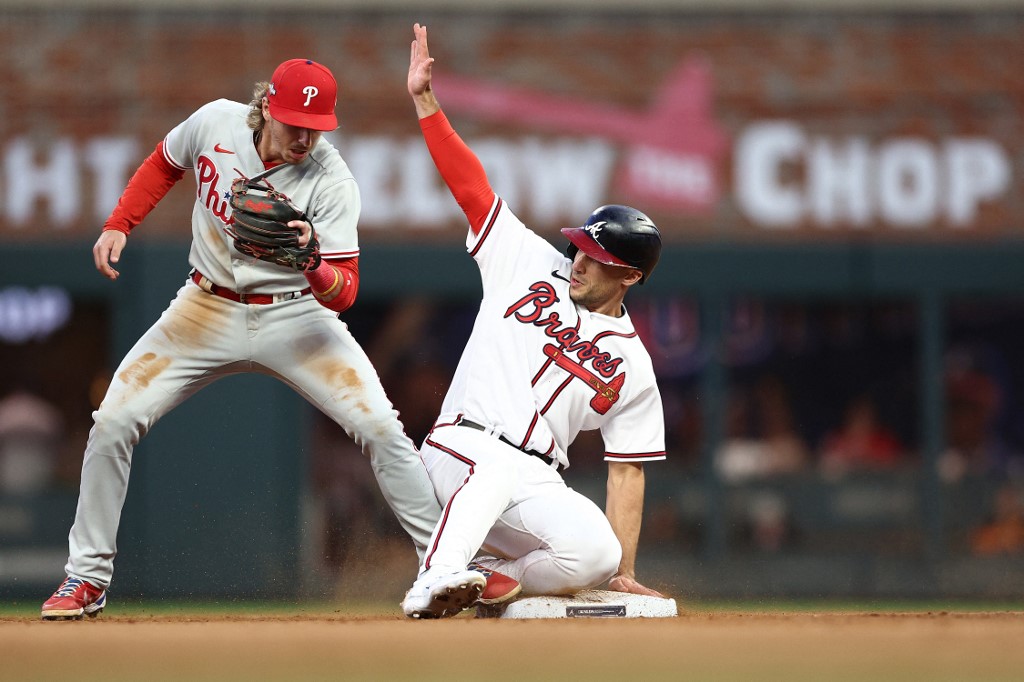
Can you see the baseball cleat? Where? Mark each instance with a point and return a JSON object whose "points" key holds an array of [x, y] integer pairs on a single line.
{"points": [[73, 599], [500, 588], [443, 596]]}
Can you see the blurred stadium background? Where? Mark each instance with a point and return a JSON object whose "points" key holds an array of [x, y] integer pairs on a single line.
{"points": [[837, 321]]}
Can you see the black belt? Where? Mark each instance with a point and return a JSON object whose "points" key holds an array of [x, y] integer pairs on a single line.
{"points": [[550, 461]]}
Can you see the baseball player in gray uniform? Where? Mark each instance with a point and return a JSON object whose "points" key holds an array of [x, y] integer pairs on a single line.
{"points": [[552, 352], [236, 313]]}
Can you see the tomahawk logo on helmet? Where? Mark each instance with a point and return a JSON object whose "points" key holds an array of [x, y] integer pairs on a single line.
{"points": [[617, 235], [594, 230]]}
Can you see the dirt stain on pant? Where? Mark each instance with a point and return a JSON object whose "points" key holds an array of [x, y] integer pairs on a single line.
{"points": [[193, 320], [141, 373]]}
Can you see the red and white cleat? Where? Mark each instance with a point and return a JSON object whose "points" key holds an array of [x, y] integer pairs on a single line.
{"points": [[73, 599], [500, 588]]}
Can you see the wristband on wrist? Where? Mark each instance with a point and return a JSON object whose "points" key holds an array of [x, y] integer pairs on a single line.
{"points": [[337, 280]]}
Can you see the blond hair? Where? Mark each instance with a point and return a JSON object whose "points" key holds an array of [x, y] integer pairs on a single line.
{"points": [[254, 118]]}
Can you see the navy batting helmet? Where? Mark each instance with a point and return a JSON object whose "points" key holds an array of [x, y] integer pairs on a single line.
{"points": [[617, 235]]}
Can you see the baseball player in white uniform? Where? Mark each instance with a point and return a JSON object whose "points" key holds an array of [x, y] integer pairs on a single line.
{"points": [[552, 352], [238, 314]]}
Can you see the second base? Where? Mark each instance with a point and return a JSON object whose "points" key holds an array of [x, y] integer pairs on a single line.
{"points": [[592, 604]]}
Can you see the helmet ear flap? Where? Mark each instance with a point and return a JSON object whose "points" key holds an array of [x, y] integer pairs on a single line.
{"points": [[571, 250]]}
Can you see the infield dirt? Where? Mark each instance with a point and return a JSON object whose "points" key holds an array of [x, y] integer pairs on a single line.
{"points": [[693, 646]]}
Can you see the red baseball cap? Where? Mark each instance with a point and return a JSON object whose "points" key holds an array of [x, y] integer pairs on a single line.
{"points": [[303, 94]]}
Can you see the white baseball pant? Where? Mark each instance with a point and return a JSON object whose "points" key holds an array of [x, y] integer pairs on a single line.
{"points": [[547, 536]]}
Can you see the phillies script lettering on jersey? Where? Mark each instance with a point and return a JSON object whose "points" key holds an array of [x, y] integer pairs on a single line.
{"points": [[543, 296], [208, 177]]}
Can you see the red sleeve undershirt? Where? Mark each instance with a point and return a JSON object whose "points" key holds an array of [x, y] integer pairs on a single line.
{"points": [[148, 186], [460, 168], [335, 284]]}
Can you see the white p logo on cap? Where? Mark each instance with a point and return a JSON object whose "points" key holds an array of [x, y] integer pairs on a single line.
{"points": [[310, 91], [304, 94]]}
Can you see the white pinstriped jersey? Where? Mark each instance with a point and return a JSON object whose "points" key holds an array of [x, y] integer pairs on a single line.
{"points": [[217, 145], [538, 368]]}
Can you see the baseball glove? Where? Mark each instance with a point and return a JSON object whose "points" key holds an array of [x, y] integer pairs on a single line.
{"points": [[259, 228]]}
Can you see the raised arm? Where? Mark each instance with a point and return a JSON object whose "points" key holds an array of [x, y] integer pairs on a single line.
{"points": [[458, 165], [420, 67]]}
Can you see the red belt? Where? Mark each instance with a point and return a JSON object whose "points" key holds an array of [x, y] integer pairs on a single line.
{"points": [[252, 299]]}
